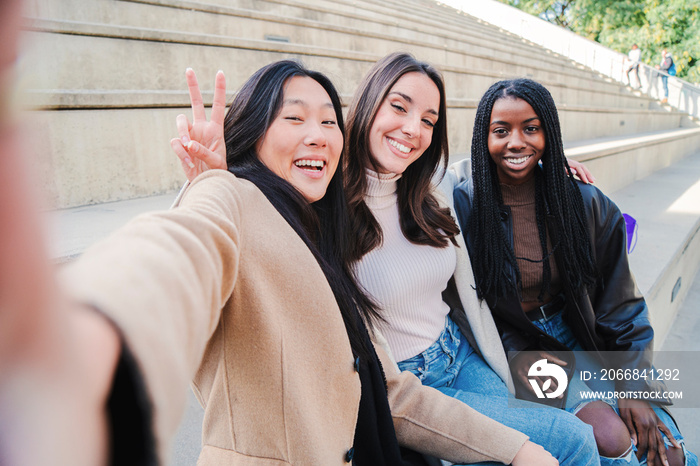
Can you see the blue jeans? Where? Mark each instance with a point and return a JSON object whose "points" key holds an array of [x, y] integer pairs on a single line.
{"points": [[556, 327], [452, 366], [664, 82]]}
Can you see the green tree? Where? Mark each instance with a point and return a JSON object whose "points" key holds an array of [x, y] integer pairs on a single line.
{"points": [[617, 24]]}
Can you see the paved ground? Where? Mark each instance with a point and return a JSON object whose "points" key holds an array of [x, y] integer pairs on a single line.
{"points": [[685, 336], [72, 230]]}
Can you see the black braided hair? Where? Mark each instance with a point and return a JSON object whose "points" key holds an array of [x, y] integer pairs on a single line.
{"points": [[556, 194]]}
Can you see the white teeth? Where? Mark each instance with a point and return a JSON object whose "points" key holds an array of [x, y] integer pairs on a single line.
{"points": [[309, 163], [399, 146], [517, 161]]}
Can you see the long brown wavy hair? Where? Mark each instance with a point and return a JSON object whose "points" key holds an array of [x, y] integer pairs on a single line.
{"points": [[422, 219]]}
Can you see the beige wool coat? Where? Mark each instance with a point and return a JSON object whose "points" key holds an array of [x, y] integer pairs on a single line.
{"points": [[222, 292]]}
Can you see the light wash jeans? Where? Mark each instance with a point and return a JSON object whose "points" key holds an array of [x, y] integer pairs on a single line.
{"points": [[452, 366], [664, 82], [555, 327]]}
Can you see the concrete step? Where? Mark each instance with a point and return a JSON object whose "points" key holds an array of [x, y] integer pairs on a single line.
{"points": [[375, 31], [666, 205], [108, 109], [683, 336], [620, 161], [164, 49]]}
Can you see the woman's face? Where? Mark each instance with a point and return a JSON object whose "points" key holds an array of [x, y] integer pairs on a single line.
{"points": [[304, 142], [403, 127], [516, 140]]}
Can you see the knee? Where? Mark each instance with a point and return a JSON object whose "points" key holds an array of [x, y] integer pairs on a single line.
{"points": [[575, 442], [675, 456], [611, 434]]}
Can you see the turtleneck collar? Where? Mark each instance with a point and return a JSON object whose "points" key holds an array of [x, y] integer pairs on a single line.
{"points": [[381, 189], [522, 194]]}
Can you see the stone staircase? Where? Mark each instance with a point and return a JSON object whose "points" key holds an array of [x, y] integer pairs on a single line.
{"points": [[105, 78]]}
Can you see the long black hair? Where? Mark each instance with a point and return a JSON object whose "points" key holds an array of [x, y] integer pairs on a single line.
{"points": [[556, 193], [422, 219], [323, 225]]}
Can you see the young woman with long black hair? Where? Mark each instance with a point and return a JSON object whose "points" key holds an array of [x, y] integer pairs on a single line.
{"points": [[550, 259]]}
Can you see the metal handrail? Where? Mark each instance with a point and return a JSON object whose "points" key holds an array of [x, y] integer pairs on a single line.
{"points": [[682, 95]]}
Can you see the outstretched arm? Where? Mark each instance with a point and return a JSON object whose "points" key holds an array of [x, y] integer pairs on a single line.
{"points": [[201, 145], [57, 358]]}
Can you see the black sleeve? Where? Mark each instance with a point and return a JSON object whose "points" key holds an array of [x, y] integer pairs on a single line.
{"points": [[130, 416]]}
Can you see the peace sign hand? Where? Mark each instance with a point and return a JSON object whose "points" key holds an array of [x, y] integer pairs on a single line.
{"points": [[201, 145]]}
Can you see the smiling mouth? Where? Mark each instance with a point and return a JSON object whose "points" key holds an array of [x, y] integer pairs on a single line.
{"points": [[400, 147], [518, 160], [310, 165]]}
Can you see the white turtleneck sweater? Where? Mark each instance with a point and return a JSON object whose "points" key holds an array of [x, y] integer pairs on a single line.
{"points": [[404, 278]]}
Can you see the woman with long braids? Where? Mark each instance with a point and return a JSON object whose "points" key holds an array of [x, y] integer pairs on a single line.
{"points": [[549, 256], [405, 254]]}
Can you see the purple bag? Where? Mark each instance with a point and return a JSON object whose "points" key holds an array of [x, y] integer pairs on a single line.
{"points": [[631, 225]]}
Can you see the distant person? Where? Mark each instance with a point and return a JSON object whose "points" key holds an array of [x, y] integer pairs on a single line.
{"points": [[667, 66], [634, 55]]}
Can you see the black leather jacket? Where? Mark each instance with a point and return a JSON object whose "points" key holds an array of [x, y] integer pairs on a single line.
{"points": [[609, 316]]}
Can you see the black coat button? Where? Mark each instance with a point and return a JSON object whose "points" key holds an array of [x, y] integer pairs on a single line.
{"points": [[349, 455], [357, 364], [504, 215]]}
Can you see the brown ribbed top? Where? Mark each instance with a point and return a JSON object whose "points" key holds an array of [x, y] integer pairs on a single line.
{"points": [[521, 200]]}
